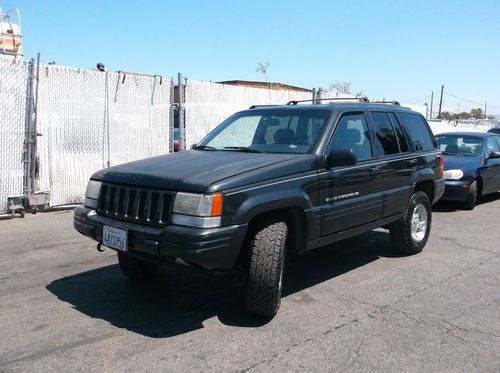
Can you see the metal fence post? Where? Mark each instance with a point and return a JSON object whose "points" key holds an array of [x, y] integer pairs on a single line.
{"points": [[180, 113], [28, 133]]}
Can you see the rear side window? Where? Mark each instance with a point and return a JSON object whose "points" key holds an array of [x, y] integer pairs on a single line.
{"points": [[403, 141], [386, 139], [419, 132]]}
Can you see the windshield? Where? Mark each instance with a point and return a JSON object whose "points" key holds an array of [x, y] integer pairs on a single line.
{"points": [[460, 145], [268, 131]]}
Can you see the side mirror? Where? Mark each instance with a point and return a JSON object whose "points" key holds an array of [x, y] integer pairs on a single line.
{"points": [[341, 157], [494, 155]]}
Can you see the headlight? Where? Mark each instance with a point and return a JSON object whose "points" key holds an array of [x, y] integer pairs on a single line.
{"points": [[197, 210], [92, 193], [453, 174]]}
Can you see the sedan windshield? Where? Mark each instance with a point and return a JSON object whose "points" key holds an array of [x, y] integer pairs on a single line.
{"points": [[460, 145], [268, 131]]}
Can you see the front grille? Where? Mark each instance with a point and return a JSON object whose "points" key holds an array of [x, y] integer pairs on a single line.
{"points": [[143, 206]]}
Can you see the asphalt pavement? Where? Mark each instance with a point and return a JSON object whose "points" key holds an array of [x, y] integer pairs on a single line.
{"points": [[353, 306]]}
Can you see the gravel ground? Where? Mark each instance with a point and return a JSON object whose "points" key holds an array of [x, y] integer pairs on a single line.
{"points": [[353, 306]]}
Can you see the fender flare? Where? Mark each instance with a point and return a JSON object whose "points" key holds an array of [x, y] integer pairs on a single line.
{"points": [[273, 200]]}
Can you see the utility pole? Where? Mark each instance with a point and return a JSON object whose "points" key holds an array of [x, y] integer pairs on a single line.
{"points": [[441, 102], [432, 100], [485, 106]]}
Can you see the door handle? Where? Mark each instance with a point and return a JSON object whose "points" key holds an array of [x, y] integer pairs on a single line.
{"points": [[412, 162], [376, 169]]}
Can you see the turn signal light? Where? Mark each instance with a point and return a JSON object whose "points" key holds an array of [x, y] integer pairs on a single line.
{"points": [[441, 165], [216, 205]]}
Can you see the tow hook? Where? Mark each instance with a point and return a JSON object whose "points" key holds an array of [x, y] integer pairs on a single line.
{"points": [[100, 248]]}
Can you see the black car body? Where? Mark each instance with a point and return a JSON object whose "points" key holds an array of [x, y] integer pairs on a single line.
{"points": [[472, 165], [319, 186]]}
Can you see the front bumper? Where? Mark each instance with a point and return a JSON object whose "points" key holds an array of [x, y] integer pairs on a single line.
{"points": [[456, 190], [212, 248]]}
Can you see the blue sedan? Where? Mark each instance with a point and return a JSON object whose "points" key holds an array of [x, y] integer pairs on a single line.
{"points": [[471, 164]]}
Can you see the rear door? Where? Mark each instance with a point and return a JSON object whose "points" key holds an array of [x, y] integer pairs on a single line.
{"points": [[396, 161], [350, 196]]}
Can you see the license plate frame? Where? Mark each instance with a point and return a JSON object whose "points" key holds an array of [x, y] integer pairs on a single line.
{"points": [[115, 238]]}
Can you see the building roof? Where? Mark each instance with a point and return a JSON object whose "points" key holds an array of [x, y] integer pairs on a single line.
{"points": [[274, 86]]}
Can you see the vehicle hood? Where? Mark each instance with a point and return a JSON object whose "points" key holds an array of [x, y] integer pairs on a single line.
{"points": [[466, 164], [191, 171]]}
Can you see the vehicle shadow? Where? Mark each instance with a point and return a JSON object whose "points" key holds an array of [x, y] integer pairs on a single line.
{"points": [[452, 206], [182, 299]]}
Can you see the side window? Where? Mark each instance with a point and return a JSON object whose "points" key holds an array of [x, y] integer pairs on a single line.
{"points": [[419, 132], [492, 145], [385, 135], [352, 133], [403, 141]]}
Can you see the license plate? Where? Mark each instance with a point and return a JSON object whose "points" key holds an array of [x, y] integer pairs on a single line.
{"points": [[115, 238]]}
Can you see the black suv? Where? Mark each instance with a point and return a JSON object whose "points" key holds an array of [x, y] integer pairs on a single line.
{"points": [[266, 182]]}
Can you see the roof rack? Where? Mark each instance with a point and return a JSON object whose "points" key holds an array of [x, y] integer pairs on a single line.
{"points": [[257, 106], [396, 103], [360, 99]]}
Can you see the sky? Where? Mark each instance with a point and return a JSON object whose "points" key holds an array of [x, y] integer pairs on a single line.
{"points": [[397, 50]]}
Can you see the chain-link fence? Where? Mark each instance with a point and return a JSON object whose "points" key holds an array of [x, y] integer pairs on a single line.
{"points": [[90, 120], [13, 98], [87, 120]]}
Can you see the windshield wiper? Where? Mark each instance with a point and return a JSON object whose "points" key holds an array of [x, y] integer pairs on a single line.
{"points": [[242, 149], [448, 153], [203, 147]]}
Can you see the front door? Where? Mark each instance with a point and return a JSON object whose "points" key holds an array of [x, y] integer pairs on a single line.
{"points": [[491, 172], [351, 196]]}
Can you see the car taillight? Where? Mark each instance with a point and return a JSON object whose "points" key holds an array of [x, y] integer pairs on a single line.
{"points": [[441, 165]]}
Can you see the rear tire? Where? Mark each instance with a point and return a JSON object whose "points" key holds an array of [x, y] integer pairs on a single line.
{"points": [[267, 262], [471, 200], [137, 269], [410, 233]]}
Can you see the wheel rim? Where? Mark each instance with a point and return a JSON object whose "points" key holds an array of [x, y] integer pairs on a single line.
{"points": [[419, 223]]}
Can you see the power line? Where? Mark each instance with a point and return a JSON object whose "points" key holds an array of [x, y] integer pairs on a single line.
{"points": [[470, 101]]}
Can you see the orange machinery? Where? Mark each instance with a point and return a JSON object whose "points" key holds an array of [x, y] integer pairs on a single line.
{"points": [[10, 33]]}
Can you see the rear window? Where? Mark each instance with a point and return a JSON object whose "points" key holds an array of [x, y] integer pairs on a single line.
{"points": [[419, 132], [460, 145]]}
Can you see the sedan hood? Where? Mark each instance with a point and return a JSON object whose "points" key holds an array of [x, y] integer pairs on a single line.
{"points": [[464, 163], [191, 171]]}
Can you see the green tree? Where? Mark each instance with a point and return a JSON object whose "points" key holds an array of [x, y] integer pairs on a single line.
{"points": [[344, 88], [477, 113], [446, 115]]}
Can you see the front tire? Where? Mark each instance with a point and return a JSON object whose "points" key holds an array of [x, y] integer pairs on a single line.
{"points": [[411, 232], [267, 262], [137, 269], [471, 200]]}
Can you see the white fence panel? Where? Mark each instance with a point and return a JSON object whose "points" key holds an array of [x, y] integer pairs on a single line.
{"points": [[208, 104], [139, 114], [438, 127], [13, 88], [71, 119], [91, 119]]}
